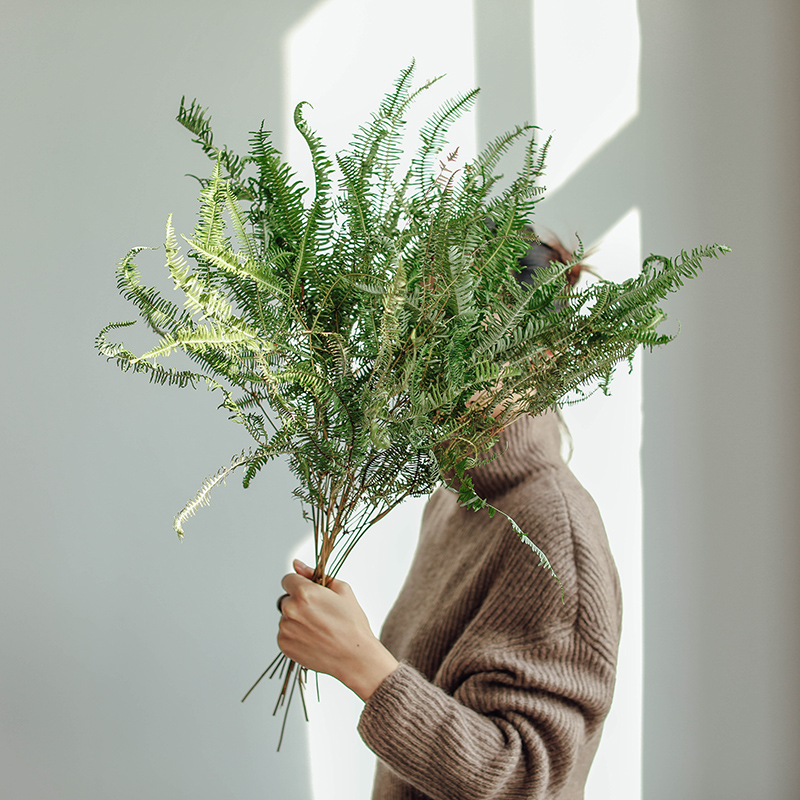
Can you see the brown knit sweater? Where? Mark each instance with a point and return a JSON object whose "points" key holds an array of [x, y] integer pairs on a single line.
{"points": [[502, 688]]}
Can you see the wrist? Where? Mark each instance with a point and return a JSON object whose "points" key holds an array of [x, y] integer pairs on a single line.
{"points": [[372, 663]]}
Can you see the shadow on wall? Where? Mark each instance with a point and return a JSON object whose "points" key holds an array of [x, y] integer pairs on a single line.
{"points": [[509, 73], [125, 653], [711, 156]]}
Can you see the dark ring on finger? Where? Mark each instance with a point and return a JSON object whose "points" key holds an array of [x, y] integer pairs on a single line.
{"points": [[280, 600]]}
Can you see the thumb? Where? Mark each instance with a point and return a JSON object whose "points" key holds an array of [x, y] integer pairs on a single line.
{"points": [[303, 569]]}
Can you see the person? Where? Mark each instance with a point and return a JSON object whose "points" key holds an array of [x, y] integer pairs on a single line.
{"points": [[490, 678]]}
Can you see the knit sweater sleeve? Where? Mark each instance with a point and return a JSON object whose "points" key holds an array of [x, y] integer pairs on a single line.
{"points": [[513, 726], [499, 736]]}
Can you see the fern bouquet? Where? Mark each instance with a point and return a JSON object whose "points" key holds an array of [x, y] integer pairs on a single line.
{"points": [[371, 329]]}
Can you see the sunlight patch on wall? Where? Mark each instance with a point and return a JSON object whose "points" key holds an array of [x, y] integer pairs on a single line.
{"points": [[608, 437], [586, 77], [344, 55], [342, 767]]}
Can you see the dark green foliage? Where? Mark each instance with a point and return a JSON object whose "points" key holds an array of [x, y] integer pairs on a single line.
{"points": [[374, 331]]}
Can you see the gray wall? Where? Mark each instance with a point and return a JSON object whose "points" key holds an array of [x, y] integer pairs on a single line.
{"points": [[722, 434], [713, 156], [122, 653], [125, 653]]}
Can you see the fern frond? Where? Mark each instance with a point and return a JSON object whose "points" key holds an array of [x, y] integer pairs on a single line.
{"points": [[196, 120], [202, 496], [239, 221], [203, 337], [317, 224], [160, 314], [278, 192], [210, 229], [434, 136], [487, 160]]}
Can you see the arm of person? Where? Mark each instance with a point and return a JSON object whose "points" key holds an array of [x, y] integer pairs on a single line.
{"points": [[516, 724], [515, 706], [324, 629], [499, 735]]}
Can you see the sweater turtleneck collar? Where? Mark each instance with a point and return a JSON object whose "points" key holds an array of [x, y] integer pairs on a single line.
{"points": [[527, 446]]}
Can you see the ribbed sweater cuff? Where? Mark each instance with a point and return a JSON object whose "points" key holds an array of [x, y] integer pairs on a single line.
{"points": [[397, 719]]}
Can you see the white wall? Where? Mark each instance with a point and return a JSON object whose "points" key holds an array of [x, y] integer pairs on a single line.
{"points": [[712, 156], [721, 111], [122, 653]]}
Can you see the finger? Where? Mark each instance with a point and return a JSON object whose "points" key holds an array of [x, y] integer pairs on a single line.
{"points": [[303, 569], [308, 572], [292, 583], [280, 600]]}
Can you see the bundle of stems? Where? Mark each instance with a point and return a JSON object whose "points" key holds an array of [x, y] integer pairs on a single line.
{"points": [[373, 330]]}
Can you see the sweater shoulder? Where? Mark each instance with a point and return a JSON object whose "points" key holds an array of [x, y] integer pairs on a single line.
{"points": [[562, 519]]}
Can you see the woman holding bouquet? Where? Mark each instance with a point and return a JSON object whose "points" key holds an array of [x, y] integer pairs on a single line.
{"points": [[486, 682]]}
